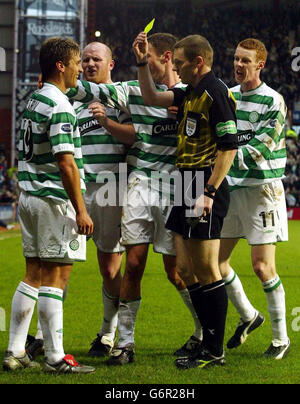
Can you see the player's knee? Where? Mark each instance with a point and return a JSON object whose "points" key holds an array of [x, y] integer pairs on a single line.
{"points": [[263, 270], [134, 269], [108, 273], [185, 276], [224, 268]]}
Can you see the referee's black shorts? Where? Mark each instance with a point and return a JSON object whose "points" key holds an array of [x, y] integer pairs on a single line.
{"points": [[208, 227]]}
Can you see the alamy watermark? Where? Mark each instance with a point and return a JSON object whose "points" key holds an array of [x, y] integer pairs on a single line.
{"points": [[159, 189], [2, 319], [2, 60], [296, 61], [296, 321]]}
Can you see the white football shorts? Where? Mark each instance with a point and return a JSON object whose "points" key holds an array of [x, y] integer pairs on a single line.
{"points": [[49, 230], [144, 218], [258, 214], [107, 219]]}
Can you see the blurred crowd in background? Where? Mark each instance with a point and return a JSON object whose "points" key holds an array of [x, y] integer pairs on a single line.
{"points": [[9, 191], [278, 28], [292, 180], [8, 181]]}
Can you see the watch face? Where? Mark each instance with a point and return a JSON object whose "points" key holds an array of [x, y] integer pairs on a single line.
{"points": [[210, 188]]}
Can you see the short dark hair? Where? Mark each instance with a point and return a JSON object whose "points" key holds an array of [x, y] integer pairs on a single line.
{"points": [[53, 50], [196, 45], [162, 42]]}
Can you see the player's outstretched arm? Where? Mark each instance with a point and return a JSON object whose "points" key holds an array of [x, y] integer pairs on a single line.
{"points": [[112, 95], [149, 92]]}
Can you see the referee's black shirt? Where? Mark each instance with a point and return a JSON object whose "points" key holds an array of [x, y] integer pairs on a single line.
{"points": [[207, 122]]}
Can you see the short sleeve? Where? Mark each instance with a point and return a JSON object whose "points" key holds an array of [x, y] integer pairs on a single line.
{"points": [[179, 95], [61, 131], [123, 117], [223, 119]]}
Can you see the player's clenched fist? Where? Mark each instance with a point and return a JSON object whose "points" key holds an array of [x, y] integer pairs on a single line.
{"points": [[140, 47], [84, 223], [99, 112]]}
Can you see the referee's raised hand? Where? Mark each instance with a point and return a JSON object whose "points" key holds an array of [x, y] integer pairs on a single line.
{"points": [[140, 47]]}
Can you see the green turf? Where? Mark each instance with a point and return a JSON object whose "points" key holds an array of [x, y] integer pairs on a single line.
{"points": [[163, 323]]}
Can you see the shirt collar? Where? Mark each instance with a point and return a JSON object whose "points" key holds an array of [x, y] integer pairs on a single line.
{"points": [[203, 83]]}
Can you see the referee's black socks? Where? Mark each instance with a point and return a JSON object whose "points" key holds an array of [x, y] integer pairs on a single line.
{"points": [[210, 303]]}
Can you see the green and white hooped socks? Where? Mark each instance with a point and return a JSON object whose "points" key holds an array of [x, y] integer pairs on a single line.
{"points": [[50, 312], [276, 304], [238, 297], [22, 308]]}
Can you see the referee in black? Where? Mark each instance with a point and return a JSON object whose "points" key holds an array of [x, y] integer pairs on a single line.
{"points": [[207, 142]]}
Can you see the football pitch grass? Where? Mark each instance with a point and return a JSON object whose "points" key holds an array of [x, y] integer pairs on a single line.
{"points": [[163, 323]]}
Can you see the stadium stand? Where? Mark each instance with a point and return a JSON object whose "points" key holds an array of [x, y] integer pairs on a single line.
{"points": [[9, 192], [292, 180], [276, 24], [278, 27]]}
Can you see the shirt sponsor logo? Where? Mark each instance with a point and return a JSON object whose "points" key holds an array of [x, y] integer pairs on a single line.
{"points": [[245, 137], [89, 126], [162, 128]]}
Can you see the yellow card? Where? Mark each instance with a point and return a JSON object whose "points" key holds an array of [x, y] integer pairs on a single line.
{"points": [[149, 26]]}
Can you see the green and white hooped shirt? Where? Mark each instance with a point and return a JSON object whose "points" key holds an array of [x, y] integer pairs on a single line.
{"points": [[261, 155], [156, 128], [101, 151], [49, 126]]}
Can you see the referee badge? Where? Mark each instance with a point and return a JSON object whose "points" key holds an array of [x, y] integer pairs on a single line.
{"points": [[190, 126]]}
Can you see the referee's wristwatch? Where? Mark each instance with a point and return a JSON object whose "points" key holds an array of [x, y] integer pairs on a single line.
{"points": [[210, 191]]}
